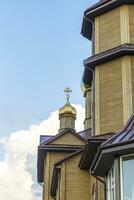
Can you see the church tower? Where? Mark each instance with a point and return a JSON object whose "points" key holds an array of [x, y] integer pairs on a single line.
{"points": [[109, 24], [67, 113]]}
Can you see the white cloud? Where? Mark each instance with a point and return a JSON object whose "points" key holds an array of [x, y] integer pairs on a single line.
{"points": [[18, 168]]}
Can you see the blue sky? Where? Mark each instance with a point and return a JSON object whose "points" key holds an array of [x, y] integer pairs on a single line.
{"points": [[41, 52]]}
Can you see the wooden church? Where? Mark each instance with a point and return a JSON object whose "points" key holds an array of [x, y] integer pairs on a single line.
{"points": [[97, 163]]}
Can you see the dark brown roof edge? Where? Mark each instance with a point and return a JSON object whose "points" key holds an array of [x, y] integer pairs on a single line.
{"points": [[104, 6], [62, 133], [98, 168], [68, 157], [60, 147], [96, 10], [41, 155], [58, 135], [102, 136], [125, 49], [94, 140], [85, 152]]}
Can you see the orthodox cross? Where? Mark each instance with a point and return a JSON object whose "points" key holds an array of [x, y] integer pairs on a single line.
{"points": [[68, 91]]}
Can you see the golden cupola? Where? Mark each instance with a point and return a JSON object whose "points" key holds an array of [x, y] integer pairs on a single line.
{"points": [[67, 113]]}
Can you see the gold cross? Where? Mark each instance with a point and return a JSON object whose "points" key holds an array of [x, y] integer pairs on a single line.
{"points": [[68, 91]]}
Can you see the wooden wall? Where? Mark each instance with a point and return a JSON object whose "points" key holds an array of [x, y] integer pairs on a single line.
{"points": [[51, 158], [68, 139], [131, 23], [114, 28], [107, 31], [132, 76], [114, 94], [77, 183], [109, 99]]}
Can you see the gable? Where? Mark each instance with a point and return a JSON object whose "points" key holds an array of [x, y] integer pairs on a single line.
{"points": [[67, 138]]}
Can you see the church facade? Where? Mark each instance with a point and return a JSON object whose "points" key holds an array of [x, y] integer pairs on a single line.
{"points": [[97, 163]]}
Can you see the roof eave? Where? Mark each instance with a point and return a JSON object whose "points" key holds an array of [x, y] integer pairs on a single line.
{"points": [[104, 6], [41, 156], [87, 28], [96, 10], [89, 153], [98, 59], [98, 166]]}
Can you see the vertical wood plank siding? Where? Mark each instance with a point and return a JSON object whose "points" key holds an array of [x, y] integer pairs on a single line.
{"points": [[51, 158], [100, 190], [126, 88], [110, 96], [132, 74], [63, 182], [124, 17], [109, 30], [131, 23], [68, 138], [78, 182]]}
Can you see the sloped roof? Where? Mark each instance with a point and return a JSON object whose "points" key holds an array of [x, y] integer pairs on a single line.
{"points": [[91, 149], [120, 144], [86, 134], [61, 133], [125, 136], [46, 146], [45, 138]]}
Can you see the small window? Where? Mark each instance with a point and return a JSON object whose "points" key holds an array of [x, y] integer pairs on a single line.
{"points": [[111, 184], [127, 177]]}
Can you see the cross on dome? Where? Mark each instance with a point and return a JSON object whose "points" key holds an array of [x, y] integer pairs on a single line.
{"points": [[68, 91]]}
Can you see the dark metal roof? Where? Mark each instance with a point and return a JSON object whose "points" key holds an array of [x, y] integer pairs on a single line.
{"points": [[125, 49], [44, 138], [86, 134], [91, 149], [125, 136], [120, 144]]}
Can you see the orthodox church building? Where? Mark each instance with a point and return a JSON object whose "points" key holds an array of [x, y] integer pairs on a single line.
{"points": [[97, 163]]}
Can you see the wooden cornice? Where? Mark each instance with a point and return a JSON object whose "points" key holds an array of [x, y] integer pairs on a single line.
{"points": [[125, 49], [104, 6]]}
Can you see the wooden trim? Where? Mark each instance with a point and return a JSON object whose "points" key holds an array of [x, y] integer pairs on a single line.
{"points": [[127, 88], [117, 178], [122, 50], [63, 182], [124, 21], [47, 177], [105, 6], [97, 106], [97, 35]]}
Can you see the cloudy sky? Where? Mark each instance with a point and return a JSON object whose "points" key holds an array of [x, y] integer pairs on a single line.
{"points": [[18, 165], [41, 52]]}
